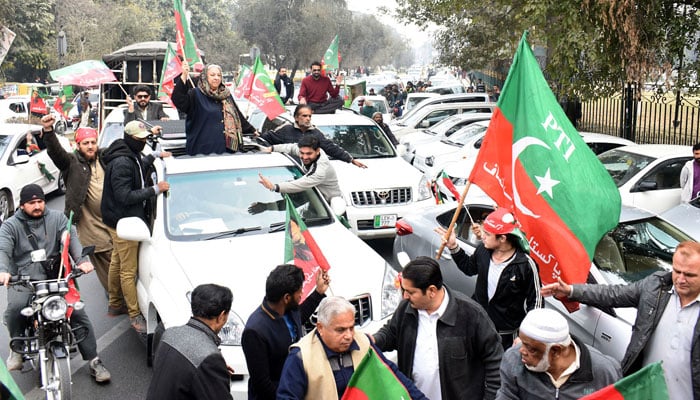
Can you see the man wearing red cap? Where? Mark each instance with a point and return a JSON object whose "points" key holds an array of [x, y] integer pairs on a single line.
{"points": [[507, 283], [83, 174]]}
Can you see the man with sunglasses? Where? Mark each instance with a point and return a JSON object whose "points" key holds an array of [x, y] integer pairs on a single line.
{"points": [[319, 93], [140, 106]]}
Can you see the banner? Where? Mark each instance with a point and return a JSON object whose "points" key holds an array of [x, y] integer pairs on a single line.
{"points": [[87, 73]]}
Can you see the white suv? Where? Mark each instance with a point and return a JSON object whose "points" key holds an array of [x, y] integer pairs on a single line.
{"points": [[203, 231], [378, 196]]}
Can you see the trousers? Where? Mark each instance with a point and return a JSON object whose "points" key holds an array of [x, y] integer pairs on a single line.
{"points": [[122, 274]]}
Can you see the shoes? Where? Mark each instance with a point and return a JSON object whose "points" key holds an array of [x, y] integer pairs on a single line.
{"points": [[14, 361], [98, 370], [115, 311], [138, 323]]}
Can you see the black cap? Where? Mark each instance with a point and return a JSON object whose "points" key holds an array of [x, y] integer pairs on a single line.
{"points": [[31, 192]]}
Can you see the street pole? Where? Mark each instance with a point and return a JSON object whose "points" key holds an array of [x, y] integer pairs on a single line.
{"points": [[62, 46]]}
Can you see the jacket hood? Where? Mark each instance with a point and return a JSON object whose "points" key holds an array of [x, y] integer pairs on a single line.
{"points": [[118, 148]]}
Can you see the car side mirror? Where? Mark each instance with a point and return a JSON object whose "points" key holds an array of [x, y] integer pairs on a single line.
{"points": [[19, 158], [338, 205], [403, 259], [425, 124], [133, 228], [646, 186]]}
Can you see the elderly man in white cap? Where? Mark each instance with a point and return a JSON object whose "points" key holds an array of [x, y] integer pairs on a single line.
{"points": [[550, 364]]}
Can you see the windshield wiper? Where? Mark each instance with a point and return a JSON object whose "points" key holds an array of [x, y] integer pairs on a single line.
{"points": [[232, 232], [277, 226]]}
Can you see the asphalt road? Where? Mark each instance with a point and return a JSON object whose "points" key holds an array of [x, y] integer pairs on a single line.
{"points": [[122, 350]]}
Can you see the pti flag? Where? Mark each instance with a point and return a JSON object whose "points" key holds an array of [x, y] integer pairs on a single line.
{"points": [[374, 380], [245, 83], [62, 103], [85, 73], [263, 93], [331, 59], [449, 185], [171, 69], [73, 296], [534, 162], [646, 384], [186, 46], [301, 249]]}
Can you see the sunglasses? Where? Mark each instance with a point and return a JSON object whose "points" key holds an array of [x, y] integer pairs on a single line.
{"points": [[315, 70], [143, 96]]}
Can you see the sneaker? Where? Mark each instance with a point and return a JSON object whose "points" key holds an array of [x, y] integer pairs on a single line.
{"points": [[138, 323], [14, 361], [98, 370], [115, 311]]}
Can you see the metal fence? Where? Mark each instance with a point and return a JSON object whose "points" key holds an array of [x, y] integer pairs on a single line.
{"points": [[644, 116]]}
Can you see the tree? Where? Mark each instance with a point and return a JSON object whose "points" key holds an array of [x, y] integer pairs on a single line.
{"points": [[32, 22]]}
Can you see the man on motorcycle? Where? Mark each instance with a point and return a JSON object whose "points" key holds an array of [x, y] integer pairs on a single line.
{"points": [[20, 254]]}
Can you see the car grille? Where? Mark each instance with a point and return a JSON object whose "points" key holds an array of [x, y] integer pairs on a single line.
{"points": [[369, 198], [363, 312]]}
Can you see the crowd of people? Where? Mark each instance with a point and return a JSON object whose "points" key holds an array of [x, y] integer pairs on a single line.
{"points": [[498, 344]]}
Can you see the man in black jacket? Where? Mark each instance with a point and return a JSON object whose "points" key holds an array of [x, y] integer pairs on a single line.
{"points": [[188, 362], [288, 133], [142, 108], [124, 195], [275, 325], [445, 342], [284, 86], [83, 173]]}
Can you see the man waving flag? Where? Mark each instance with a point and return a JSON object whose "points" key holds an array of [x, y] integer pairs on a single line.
{"points": [[533, 161]]}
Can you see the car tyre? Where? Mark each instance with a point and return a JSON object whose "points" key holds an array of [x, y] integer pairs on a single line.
{"points": [[60, 127], [6, 206], [152, 342], [61, 184]]}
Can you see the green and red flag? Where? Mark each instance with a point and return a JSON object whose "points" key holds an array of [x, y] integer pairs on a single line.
{"points": [[244, 84], [13, 391], [85, 73], [186, 46], [301, 249], [646, 384], [374, 380], [73, 296], [263, 93], [63, 103], [534, 162], [171, 69], [331, 59], [449, 185]]}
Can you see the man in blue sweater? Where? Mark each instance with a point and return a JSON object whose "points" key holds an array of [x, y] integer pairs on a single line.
{"points": [[275, 325]]}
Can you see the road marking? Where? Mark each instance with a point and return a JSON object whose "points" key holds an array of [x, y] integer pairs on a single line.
{"points": [[76, 363]]}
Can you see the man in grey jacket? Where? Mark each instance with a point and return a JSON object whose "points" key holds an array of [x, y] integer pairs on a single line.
{"points": [[19, 256], [550, 364], [666, 328]]}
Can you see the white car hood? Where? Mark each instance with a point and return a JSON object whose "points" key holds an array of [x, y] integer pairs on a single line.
{"points": [[243, 264], [437, 149], [381, 173]]}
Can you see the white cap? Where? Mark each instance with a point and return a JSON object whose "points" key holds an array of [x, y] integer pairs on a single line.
{"points": [[545, 325]]}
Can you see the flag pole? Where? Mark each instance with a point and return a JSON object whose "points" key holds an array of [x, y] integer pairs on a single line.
{"points": [[454, 220]]}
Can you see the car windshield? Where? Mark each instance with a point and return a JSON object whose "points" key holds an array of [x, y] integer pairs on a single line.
{"points": [[111, 132], [213, 204], [623, 165], [361, 141], [4, 143], [464, 135], [636, 249]]}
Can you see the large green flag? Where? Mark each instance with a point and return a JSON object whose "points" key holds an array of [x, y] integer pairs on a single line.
{"points": [[646, 384], [6, 379], [534, 162], [374, 380], [331, 59]]}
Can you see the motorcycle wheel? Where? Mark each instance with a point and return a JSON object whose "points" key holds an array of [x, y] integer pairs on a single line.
{"points": [[58, 378]]}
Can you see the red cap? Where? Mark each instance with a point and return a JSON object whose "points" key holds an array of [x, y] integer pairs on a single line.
{"points": [[85, 133], [500, 222]]}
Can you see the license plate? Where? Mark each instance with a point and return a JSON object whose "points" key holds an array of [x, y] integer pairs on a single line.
{"points": [[384, 221]]}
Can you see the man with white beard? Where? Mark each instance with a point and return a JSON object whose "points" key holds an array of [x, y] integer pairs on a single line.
{"points": [[550, 364]]}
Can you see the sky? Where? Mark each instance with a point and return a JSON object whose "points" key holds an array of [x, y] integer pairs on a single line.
{"points": [[411, 32]]}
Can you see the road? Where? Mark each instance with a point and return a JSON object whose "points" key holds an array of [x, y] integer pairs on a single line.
{"points": [[122, 350]]}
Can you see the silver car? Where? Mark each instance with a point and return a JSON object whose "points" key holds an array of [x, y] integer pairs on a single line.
{"points": [[642, 243]]}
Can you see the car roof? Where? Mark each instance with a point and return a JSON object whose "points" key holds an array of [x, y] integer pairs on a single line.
{"points": [[628, 213], [203, 163], [591, 137], [467, 104], [658, 150], [17, 129]]}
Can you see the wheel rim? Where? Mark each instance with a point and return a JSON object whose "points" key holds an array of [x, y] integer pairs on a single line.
{"points": [[4, 205], [58, 378]]}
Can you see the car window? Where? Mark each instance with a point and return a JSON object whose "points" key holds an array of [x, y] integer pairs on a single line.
{"points": [[4, 143], [623, 165], [636, 249], [239, 204], [466, 134], [271, 125], [666, 175], [463, 230], [435, 116], [361, 141], [601, 147]]}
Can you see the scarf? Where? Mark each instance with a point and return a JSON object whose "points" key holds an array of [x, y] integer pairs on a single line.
{"points": [[232, 123]]}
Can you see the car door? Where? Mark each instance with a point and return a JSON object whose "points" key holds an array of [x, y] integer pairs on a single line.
{"points": [[660, 188], [32, 171]]}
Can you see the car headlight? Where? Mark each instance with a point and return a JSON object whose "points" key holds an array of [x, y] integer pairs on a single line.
{"points": [[424, 189], [391, 291], [429, 161], [54, 308], [231, 333]]}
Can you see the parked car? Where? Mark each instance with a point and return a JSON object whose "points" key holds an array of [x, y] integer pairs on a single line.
{"points": [[378, 102], [414, 98], [454, 87], [686, 216], [642, 243], [15, 109], [458, 171], [20, 168], [377, 196], [648, 175], [172, 138], [426, 117], [463, 144], [203, 232], [441, 130], [442, 99]]}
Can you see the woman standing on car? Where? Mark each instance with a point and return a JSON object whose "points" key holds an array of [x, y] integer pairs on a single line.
{"points": [[214, 123]]}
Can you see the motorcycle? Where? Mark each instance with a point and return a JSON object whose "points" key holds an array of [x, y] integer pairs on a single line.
{"points": [[49, 338]]}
